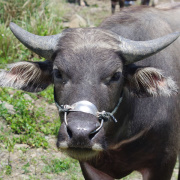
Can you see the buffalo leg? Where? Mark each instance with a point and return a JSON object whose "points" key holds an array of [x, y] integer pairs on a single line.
{"points": [[113, 6], [121, 3], [78, 2], [91, 173], [145, 2]]}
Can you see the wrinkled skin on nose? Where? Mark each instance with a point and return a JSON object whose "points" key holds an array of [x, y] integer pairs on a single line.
{"points": [[78, 138]]}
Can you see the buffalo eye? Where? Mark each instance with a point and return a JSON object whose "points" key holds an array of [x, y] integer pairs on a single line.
{"points": [[57, 74], [115, 77]]}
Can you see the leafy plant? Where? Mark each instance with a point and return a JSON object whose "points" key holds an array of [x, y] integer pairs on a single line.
{"points": [[29, 122], [48, 94], [8, 169], [25, 168]]}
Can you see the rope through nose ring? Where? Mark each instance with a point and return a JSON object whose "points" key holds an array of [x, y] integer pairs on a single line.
{"points": [[96, 130], [65, 109]]}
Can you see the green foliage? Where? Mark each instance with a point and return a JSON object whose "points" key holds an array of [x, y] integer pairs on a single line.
{"points": [[25, 168], [9, 144], [56, 166], [29, 122], [33, 15], [48, 94], [60, 166], [17, 9], [8, 169]]}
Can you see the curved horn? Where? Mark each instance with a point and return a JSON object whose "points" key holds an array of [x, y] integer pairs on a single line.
{"points": [[133, 51], [41, 45]]}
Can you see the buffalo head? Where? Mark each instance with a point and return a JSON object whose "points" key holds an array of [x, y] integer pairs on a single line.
{"points": [[92, 69]]}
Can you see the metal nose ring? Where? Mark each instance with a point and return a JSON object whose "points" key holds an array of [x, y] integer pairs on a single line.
{"points": [[88, 107], [96, 130], [65, 118]]}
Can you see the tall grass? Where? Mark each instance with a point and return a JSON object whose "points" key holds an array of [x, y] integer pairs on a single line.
{"points": [[36, 16]]}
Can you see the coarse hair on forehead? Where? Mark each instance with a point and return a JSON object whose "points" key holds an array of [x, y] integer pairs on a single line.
{"points": [[80, 38]]}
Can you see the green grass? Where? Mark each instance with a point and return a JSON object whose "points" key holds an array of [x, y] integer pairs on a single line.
{"points": [[60, 166], [48, 94], [8, 170], [57, 166], [29, 122], [35, 16], [25, 168]]}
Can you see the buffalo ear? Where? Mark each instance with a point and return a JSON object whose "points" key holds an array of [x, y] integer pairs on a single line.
{"points": [[27, 76], [149, 81]]}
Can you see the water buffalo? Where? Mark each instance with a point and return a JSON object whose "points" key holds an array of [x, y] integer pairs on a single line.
{"points": [[79, 2], [143, 2], [113, 5], [115, 87]]}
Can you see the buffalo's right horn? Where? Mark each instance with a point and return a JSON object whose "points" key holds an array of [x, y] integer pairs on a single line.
{"points": [[133, 51], [41, 45]]}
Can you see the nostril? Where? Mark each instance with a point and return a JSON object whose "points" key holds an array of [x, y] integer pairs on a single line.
{"points": [[69, 132]]}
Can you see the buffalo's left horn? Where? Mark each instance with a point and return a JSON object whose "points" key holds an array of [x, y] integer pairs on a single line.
{"points": [[133, 51], [41, 45]]}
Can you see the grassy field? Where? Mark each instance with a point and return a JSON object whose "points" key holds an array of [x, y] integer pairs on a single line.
{"points": [[29, 122]]}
